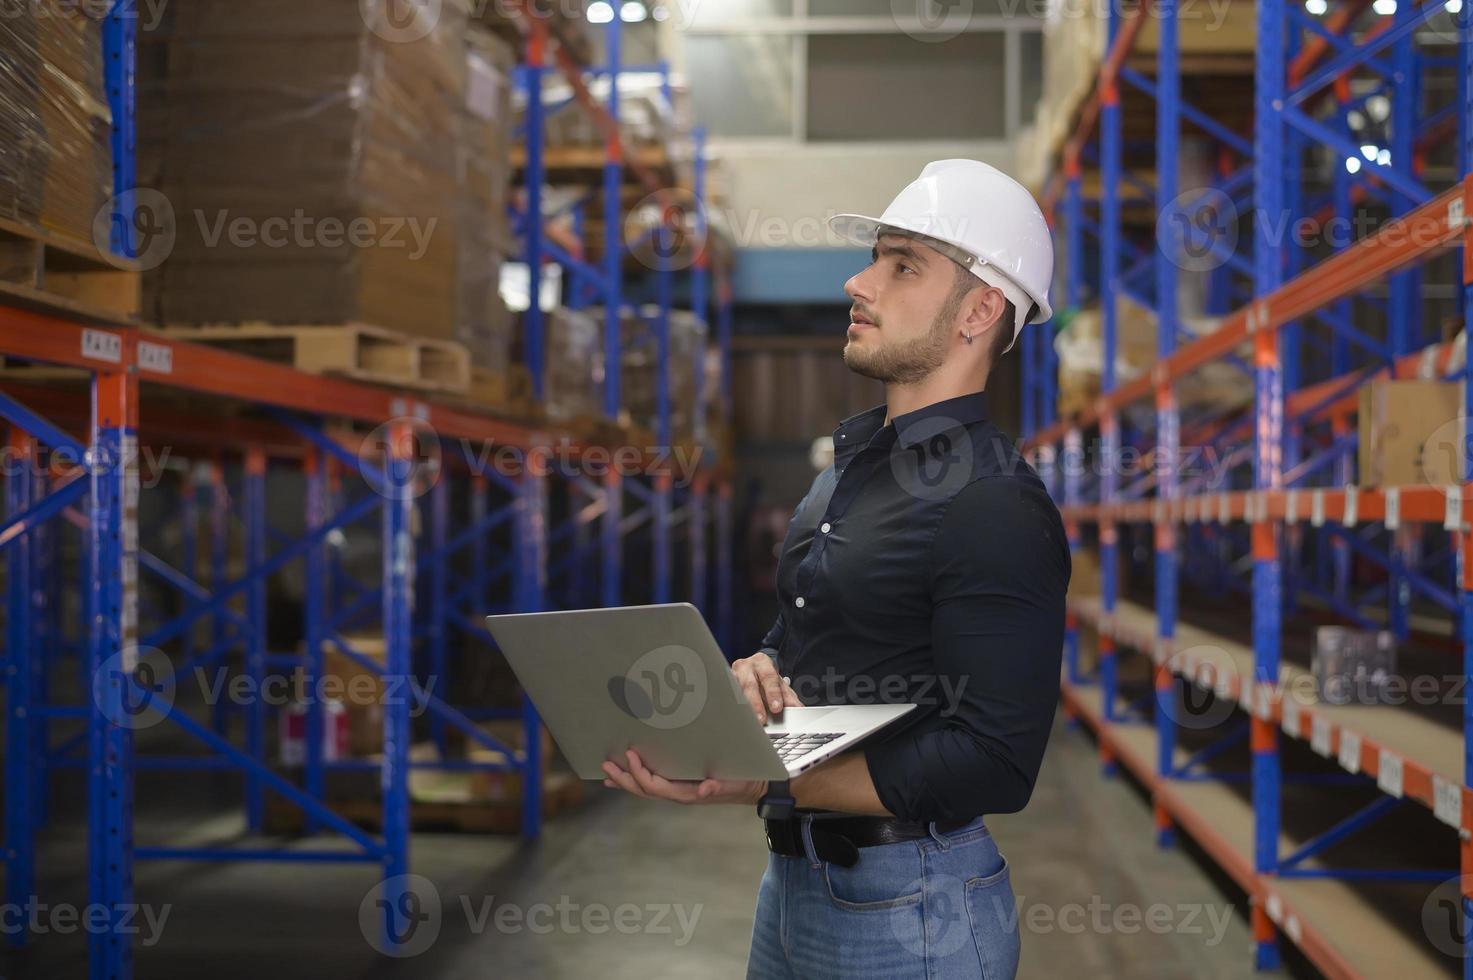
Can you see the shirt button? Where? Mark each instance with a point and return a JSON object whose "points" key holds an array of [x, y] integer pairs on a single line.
{"points": [[798, 602], [827, 527]]}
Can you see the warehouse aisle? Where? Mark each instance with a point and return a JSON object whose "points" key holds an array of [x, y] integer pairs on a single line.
{"points": [[627, 890]]}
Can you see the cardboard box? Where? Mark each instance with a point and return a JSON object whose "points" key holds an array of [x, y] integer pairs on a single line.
{"points": [[1411, 433], [360, 690]]}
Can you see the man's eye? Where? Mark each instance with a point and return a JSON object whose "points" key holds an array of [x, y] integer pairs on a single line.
{"points": [[904, 268]]}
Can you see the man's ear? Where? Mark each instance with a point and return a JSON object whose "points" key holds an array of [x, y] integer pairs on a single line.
{"points": [[984, 307]]}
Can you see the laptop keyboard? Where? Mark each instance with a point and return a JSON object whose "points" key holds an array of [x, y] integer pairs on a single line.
{"points": [[794, 744]]}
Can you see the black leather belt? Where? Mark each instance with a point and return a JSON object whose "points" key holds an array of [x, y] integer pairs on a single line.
{"points": [[838, 839]]}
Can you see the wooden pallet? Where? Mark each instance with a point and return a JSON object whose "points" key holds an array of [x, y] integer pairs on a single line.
{"points": [[562, 791], [354, 350], [42, 270]]}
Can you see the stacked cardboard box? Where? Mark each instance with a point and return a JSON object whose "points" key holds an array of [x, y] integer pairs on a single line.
{"points": [[484, 236], [574, 380], [55, 125], [1411, 433], [309, 153]]}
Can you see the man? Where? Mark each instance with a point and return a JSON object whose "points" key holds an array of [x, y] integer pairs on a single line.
{"points": [[926, 565]]}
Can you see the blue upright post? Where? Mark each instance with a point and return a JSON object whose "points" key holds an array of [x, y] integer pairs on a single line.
{"points": [[1464, 540], [314, 621], [219, 571], [700, 287], [49, 598], [1168, 437], [533, 336], [20, 748], [1073, 469], [113, 668], [1344, 467], [254, 480], [1110, 170], [1073, 462], [660, 503], [398, 624], [531, 596], [611, 540], [439, 587], [1269, 176], [189, 544]]}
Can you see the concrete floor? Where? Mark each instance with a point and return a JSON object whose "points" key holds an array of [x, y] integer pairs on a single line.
{"points": [[1084, 868]]}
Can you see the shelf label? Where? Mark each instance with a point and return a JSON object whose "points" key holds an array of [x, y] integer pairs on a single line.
{"points": [[1393, 508], [1274, 906], [1455, 217], [1265, 701], [1349, 751], [1224, 687], [1452, 515], [1289, 717], [1317, 508], [1447, 801], [102, 346], [1292, 929], [1351, 499], [1319, 735], [155, 357], [1224, 509], [1389, 772], [1291, 507]]}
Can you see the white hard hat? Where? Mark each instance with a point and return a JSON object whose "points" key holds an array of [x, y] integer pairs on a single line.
{"points": [[989, 218]]}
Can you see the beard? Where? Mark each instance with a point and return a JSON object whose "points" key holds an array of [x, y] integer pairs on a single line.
{"points": [[906, 362]]}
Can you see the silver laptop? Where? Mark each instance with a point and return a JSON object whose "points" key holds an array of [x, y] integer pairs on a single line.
{"points": [[652, 678]]}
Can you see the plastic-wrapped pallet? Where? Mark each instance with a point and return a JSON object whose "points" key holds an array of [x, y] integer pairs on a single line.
{"points": [[640, 370], [55, 124], [564, 19], [309, 157], [484, 236]]}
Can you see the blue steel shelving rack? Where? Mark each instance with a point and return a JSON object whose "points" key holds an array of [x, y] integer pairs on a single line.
{"points": [[1300, 440], [56, 474]]}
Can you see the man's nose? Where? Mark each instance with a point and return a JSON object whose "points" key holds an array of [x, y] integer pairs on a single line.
{"points": [[858, 288]]}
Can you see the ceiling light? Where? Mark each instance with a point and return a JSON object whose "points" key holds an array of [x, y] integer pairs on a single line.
{"points": [[632, 12], [1352, 165], [600, 12], [1316, 8], [1369, 150], [1384, 7]]}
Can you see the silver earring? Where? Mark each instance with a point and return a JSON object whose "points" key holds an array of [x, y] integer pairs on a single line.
{"points": [[969, 336]]}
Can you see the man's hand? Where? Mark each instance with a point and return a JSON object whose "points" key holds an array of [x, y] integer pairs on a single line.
{"points": [[767, 691], [638, 780]]}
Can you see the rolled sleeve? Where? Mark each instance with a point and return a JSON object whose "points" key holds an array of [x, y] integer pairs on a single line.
{"points": [[1000, 573]]}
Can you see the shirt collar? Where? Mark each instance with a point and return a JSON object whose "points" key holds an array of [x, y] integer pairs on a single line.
{"points": [[855, 432]]}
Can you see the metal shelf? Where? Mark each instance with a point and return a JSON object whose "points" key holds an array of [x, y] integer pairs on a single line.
{"points": [[1287, 492], [553, 529]]}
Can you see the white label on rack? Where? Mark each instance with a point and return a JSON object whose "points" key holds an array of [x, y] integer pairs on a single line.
{"points": [[1274, 906], [1393, 508], [1349, 751], [1264, 702], [1291, 507], [1224, 509], [102, 346], [1388, 772], [1455, 213], [1224, 687], [1206, 676], [1351, 499], [398, 407], [1292, 930], [1253, 503], [422, 411], [1447, 801], [1289, 717], [155, 357], [1317, 508], [1452, 516], [1319, 735]]}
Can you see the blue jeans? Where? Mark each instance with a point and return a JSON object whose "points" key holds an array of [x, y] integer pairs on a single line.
{"points": [[938, 908]]}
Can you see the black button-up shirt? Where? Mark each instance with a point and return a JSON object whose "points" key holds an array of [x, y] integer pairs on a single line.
{"points": [[929, 565]]}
